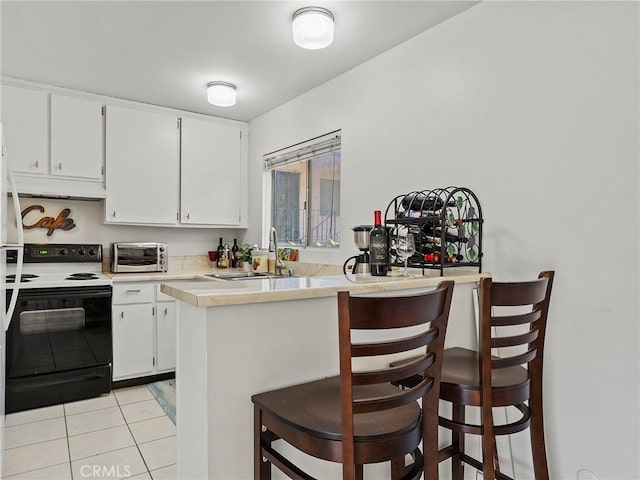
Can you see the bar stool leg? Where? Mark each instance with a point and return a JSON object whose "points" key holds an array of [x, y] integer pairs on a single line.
{"points": [[261, 470], [457, 441], [397, 468], [538, 451]]}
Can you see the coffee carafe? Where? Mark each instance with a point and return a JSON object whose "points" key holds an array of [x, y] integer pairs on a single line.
{"points": [[361, 239]]}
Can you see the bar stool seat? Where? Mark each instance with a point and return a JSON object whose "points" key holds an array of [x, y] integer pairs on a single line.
{"points": [[460, 368], [315, 408]]}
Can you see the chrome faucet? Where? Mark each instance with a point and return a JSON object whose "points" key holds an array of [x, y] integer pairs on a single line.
{"points": [[273, 247]]}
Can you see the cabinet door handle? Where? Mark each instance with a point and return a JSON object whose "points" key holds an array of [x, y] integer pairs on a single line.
{"points": [[188, 215], [165, 312], [37, 163], [121, 314], [60, 166], [137, 290], [114, 214]]}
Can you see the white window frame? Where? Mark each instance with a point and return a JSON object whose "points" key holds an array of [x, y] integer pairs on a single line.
{"points": [[302, 151]]}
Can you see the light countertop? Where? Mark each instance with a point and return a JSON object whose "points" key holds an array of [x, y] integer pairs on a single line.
{"points": [[187, 280], [206, 292], [185, 268]]}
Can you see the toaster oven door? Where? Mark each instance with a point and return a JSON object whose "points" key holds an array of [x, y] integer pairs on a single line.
{"points": [[135, 258]]}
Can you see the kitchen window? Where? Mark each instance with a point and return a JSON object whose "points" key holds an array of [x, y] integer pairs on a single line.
{"points": [[305, 192]]}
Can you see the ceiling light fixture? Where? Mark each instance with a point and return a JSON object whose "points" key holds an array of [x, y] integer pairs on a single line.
{"points": [[312, 27], [221, 94]]}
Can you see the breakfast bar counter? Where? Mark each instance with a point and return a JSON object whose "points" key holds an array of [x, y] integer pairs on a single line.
{"points": [[237, 338], [209, 293]]}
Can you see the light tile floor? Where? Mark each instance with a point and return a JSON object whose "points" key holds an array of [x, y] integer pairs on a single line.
{"points": [[123, 435]]}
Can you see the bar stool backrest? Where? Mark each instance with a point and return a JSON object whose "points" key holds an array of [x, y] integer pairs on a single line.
{"points": [[503, 307], [430, 310]]}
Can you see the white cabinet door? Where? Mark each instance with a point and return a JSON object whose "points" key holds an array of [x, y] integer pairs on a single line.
{"points": [[142, 166], [76, 137], [132, 340], [166, 336], [25, 123], [210, 170]]}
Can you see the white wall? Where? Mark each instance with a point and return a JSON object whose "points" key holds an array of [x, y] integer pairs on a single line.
{"points": [[88, 217], [535, 107]]}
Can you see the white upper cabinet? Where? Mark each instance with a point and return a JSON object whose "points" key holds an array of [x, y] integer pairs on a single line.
{"points": [[54, 141], [26, 129], [211, 169], [154, 165], [76, 137], [142, 166]]}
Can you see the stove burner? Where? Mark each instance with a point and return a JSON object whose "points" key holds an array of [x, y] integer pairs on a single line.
{"points": [[82, 276], [23, 278]]}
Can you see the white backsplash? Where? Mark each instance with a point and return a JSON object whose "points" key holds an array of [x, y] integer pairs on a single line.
{"points": [[88, 218]]}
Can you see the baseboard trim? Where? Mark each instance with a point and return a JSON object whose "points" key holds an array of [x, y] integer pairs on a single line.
{"points": [[133, 382]]}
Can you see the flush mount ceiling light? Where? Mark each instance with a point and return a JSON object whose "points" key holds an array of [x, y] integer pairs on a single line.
{"points": [[312, 27], [221, 94]]}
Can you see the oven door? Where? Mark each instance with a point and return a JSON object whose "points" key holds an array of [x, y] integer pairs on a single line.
{"points": [[59, 346]]}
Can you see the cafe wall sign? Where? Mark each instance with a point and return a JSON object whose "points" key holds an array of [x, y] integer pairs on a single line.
{"points": [[50, 224]]}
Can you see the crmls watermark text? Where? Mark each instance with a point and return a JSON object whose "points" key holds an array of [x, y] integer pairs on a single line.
{"points": [[105, 471]]}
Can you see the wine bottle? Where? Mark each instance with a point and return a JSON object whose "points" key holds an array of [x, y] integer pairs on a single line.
{"points": [[432, 257], [451, 235], [429, 248], [234, 253], [220, 250], [378, 247], [424, 203], [223, 262]]}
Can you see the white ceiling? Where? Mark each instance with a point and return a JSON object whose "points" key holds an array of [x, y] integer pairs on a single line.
{"points": [[165, 52]]}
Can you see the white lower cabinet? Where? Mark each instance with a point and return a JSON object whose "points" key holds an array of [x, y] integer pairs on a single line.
{"points": [[132, 341], [166, 336], [144, 326]]}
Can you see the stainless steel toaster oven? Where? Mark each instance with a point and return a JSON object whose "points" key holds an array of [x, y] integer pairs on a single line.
{"points": [[139, 257]]}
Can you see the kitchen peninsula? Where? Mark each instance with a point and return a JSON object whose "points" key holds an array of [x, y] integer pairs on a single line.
{"points": [[237, 338]]}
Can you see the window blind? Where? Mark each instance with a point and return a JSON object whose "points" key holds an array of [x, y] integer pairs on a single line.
{"points": [[304, 151]]}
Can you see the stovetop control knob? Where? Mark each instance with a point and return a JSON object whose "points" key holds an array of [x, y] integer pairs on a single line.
{"points": [[63, 252], [81, 252], [92, 252]]}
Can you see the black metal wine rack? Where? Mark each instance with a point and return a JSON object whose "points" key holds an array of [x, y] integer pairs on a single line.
{"points": [[446, 224]]}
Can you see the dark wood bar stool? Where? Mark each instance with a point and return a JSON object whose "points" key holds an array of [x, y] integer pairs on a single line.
{"points": [[511, 379], [360, 417]]}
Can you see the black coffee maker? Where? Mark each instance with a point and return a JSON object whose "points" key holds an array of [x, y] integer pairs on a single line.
{"points": [[361, 239]]}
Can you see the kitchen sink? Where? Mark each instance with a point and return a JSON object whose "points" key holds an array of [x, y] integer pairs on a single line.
{"points": [[241, 275]]}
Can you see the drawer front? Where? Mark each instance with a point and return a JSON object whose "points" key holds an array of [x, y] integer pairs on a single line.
{"points": [[161, 297], [125, 293]]}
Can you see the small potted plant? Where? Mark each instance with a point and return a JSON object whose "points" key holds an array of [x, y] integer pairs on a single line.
{"points": [[244, 256]]}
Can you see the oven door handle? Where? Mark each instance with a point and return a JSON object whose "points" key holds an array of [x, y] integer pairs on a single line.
{"points": [[65, 292], [15, 289]]}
